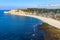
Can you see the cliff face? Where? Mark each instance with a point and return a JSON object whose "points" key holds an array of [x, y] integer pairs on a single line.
{"points": [[51, 33]]}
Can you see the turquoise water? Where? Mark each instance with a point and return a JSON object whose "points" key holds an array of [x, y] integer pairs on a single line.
{"points": [[19, 27]]}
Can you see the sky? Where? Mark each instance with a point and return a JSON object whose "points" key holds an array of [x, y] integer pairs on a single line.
{"points": [[10, 4]]}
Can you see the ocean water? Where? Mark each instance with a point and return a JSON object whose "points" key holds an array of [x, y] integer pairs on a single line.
{"points": [[19, 27]]}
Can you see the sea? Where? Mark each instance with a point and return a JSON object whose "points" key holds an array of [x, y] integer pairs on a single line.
{"points": [[13, 27]]}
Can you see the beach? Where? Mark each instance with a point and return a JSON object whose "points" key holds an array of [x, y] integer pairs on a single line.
{"points": [[50, 21]]}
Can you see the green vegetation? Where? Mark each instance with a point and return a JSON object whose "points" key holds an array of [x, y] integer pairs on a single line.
{"points": [[40, 10], [51, 33], [58, 17]]}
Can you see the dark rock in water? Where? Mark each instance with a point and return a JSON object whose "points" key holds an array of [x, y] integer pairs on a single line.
{"points": [[51, 33]]}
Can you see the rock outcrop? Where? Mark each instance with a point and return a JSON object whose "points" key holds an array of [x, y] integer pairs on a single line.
{"points": [[51, 33]]}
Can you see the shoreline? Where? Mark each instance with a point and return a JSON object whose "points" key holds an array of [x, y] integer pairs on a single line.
{"points": [[49, 21], [50, 26]]}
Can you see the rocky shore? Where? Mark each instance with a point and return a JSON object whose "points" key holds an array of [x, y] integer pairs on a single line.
{"points": [[51, 33]]}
